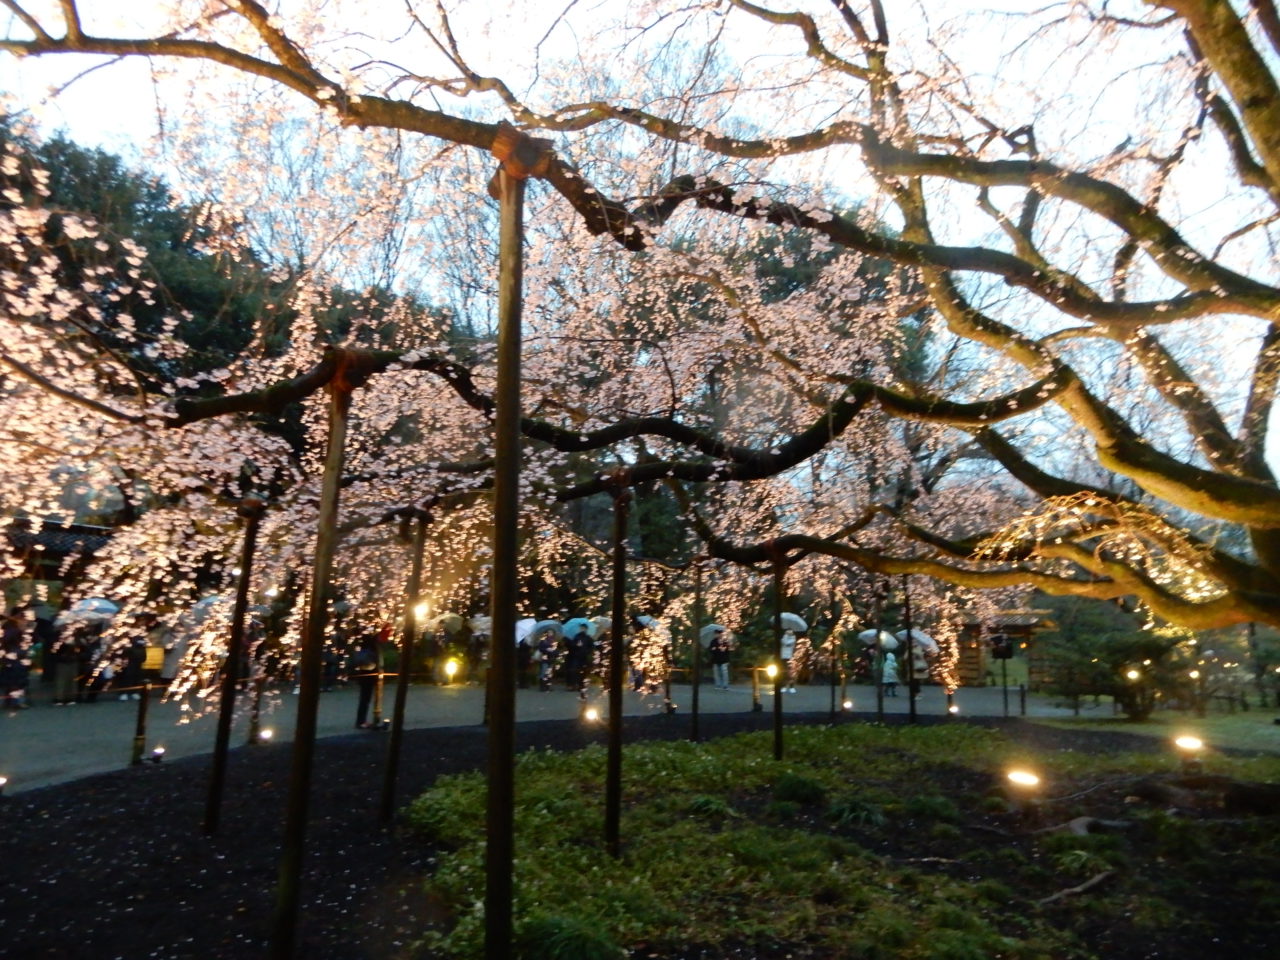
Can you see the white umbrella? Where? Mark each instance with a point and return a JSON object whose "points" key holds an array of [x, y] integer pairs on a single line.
{"points": [[448, 622], [90, 610], [920, 640], [482, 624], [887, 640], [524, 628], [709, 631], [602, 625], [791, 621]]}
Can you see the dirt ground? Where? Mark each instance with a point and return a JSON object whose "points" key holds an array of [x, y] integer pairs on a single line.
{"points": [[116, 865]]}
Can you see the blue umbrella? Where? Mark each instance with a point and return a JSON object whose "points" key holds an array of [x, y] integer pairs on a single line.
{"points": [[577, 624], [543, 626]]}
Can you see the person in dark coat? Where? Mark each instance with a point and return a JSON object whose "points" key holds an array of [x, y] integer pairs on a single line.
{"points": [[132, 660], [66, 651], [364, 667], [577, 661], [15, 663], [719, 649]]}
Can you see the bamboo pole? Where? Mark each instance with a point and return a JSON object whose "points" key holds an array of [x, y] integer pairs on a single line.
{"points": [[285, 927], [617, 654], [251, 509], [386, 809]]}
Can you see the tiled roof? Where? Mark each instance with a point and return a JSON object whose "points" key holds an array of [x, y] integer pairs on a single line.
{"points": [[57, 539]]}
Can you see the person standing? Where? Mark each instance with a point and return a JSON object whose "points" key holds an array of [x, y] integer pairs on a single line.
{"points": [[134, 658], [15, 663], [364, 667], [889, 674], [547, 649], [788, 659], [719, 650], [577, 662], [66, 665]]}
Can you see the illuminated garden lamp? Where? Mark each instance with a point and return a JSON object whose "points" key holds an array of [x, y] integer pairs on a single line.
{"points": [[951, 703], [1025, 786], [590, 714], [847, 705], [1133, 674], [4, 782], [420, 611], [1189, 748], [265, 735], [157, 754], [450, 670], [771, 671]]}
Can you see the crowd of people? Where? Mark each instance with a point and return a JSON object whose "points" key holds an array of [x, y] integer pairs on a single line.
{"points": [[72, 657], [82, 661]]}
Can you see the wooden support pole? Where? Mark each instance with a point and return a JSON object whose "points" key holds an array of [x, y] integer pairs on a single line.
{"points": [[251, 510], [285, 926]]}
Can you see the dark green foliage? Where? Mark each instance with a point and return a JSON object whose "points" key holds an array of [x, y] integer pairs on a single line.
{"points": [[852, 811], [932, 806], [798, 789], [553, 936]]}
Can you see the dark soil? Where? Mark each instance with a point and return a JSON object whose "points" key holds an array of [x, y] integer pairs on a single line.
{"points": [[117, 865]]}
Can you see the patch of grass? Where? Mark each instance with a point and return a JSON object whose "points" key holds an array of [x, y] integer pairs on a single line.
{"points": [[932, 806], [552, 936], [721, 851], [1253, 730], [855, 811], [798, 789]]}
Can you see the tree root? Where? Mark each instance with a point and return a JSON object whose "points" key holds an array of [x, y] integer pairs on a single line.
{"points": [[1073, 891]]}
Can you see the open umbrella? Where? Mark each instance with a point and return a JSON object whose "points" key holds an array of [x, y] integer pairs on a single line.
{"points": [[524, 628], [887, 640], [709, 631], [647, 621], [482, 624], [448, 622], [90, 610], [602, 625], [572, 627], [543, 626], [792, 622], [921, 640]]}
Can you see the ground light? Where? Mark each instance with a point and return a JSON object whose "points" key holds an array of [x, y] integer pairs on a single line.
{"points": [[450, 670], [1024, 791], [157, 754], [591, 715], [1189, 749], [771, 671], [847, 705], [4, 782], [265, 735]]}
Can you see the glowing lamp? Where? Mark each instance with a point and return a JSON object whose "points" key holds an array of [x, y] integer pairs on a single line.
{"points": [[420, 610], [591, 714], [771, 671], [1024, 779], [847, 705], [157, 754], [450, 669], [1133, 674], [1189, 747], [4, 782], [953, 709], [1194, 674], [265, 734]]}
